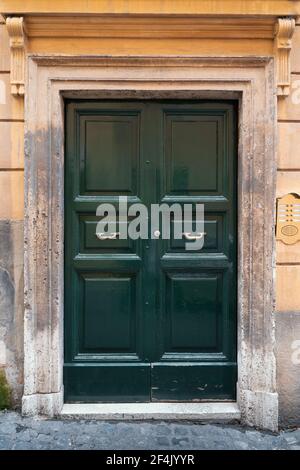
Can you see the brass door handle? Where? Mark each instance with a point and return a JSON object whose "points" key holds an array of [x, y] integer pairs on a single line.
{"points": [[105, 236], [190, 236]]}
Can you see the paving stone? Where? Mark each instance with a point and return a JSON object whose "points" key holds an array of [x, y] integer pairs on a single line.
{"points": [[20, 445], [292, 437], [242, 445], [8, 429], [21, 433], [291, 440], [5, 443], [162, 429], [181, 430], [163, 441], [181, 441]]}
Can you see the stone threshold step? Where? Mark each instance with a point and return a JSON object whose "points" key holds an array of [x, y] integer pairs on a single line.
{"points": [[221, 412]]}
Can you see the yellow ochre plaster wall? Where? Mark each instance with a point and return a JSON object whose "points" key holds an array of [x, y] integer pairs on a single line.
{"points": [[145, 40]]}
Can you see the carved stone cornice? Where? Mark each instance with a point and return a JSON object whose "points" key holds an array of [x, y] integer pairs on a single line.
{"points": [[50, 27], [15, 28], [148, 27], [284, 31]]}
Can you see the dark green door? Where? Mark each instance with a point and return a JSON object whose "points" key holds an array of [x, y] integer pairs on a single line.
{"points": [[147, 320]]}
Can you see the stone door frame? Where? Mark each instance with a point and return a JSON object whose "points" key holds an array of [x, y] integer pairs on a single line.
{"points": [[250, 80]]}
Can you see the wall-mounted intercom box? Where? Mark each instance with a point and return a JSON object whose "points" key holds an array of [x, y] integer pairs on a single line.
{"points": [[288, 219]]}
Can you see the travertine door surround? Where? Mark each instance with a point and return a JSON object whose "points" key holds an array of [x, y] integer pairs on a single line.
{"points": [[249, 80]]}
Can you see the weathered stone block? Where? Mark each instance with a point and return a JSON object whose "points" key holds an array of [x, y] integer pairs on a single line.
{"points": [[288, 145], [11, 195], [287, 289], [295, 56], [11, 107], [4, 49], [12, 145], [287, 253], [288, 367], [12, 306], [289, 107], [287, 182]]}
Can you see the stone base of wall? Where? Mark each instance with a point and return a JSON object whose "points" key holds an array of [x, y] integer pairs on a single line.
{"points": [[288, 367], [11, 306]]}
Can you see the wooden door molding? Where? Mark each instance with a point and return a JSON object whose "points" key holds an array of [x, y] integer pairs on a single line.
{"points": [[251, 81]]}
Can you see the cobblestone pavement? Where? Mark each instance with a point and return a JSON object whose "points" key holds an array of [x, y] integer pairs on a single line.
{"points": [[41, 434]]}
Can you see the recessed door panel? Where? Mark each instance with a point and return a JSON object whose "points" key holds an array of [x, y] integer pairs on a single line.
{"points": [[109, 154], [186, 381], [91, 244], [214, 226], [194, 308], [108, 300], [191, 141]]}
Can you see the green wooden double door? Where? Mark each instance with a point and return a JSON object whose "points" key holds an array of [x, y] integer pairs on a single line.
{"points": [[148, 320]]}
